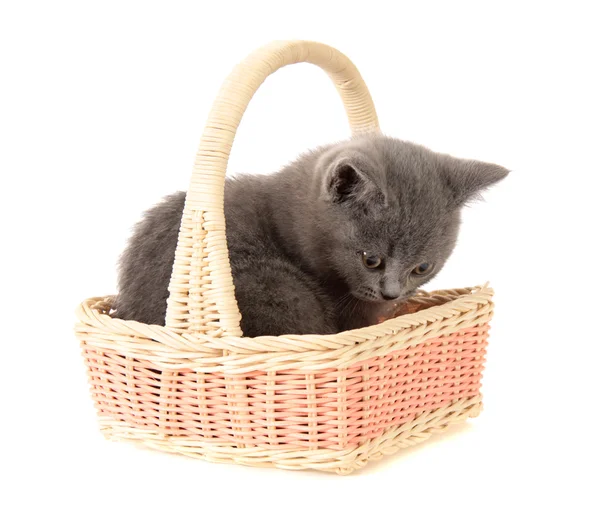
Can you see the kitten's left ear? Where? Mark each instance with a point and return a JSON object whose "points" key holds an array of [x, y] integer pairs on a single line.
{"points": [[466, 179]]}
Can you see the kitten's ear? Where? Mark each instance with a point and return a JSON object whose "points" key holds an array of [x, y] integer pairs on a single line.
{"points": [[466, 179], [346, 183]]}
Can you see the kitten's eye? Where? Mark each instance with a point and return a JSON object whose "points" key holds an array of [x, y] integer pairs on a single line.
{"points": [[371, 261], [422, 269]]}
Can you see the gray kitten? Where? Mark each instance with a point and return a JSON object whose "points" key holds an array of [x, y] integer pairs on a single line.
{"points": [[329, 243]]}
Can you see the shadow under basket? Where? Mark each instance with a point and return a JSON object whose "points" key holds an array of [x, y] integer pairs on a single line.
{"points": [[329, 402]]}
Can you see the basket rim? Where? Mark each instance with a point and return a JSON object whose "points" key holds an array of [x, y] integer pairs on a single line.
{"points": [[178, 350]]}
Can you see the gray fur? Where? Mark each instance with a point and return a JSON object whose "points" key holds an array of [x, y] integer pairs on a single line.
{"points": [[296, 237]]}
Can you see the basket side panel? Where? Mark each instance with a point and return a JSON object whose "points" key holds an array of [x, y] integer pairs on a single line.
{"points": [[331, 409], [395, 389]]}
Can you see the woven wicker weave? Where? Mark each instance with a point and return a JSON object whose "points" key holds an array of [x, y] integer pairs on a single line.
{"points": [[328, 402]]}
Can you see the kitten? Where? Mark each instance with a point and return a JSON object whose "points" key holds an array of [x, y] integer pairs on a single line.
{"points": [[327, 244]]}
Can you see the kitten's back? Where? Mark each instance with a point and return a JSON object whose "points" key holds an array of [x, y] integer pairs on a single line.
{"points": [[146, 264]]}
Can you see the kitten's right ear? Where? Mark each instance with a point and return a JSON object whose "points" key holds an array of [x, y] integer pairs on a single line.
{"points": [[346, 183], [343, 182]]}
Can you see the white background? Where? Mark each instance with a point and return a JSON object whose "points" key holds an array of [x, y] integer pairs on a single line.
{"points": [[101, 107]]}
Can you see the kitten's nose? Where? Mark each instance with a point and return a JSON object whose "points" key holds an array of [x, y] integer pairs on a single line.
{"points": [[390, 288]]}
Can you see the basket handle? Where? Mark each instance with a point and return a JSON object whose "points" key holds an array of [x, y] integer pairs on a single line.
{"points": [[201, 292]]}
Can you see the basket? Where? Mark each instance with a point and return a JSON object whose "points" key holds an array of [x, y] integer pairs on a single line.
{"points": [[327, 402]]}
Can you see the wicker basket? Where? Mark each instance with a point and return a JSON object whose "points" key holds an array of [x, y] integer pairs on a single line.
{"points": [[327, 402]]}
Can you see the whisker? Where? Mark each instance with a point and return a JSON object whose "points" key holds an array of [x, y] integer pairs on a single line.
{"points": [[342, 298]]}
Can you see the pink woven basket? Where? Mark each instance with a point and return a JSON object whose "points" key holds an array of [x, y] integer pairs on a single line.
{"points": [[330, 402]]}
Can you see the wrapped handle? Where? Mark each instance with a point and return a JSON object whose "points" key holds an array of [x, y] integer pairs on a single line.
{"points": [[201, 293]]}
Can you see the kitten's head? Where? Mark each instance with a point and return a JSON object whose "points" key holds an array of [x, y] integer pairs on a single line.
{"points": [[391, 212]]}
